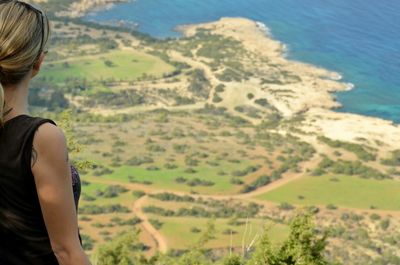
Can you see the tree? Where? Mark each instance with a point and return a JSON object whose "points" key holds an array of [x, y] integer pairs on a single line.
{"points": [[263, 254], [119, 251], [74, 147], [303, 247], [233, 260]]}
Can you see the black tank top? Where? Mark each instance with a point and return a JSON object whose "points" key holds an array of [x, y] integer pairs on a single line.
{"points": [[23, 236]]}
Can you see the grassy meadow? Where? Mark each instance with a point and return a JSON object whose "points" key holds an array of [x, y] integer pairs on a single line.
{"points": [[126, 65], [166, 178], [182, 233], [341, 191]]}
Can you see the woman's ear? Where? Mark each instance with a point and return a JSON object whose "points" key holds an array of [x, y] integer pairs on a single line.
{"points": [[37, 65]]}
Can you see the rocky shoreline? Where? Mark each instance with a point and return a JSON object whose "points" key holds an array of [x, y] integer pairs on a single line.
{"points": [[312, 97]]}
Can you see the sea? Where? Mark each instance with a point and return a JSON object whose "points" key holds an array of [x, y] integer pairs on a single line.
{"points": [[359, 39]]}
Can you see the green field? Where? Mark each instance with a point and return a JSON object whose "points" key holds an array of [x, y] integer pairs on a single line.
{"points": [[122, 65], [126, 198], [353, 192], [165, 178], [179, 235]]}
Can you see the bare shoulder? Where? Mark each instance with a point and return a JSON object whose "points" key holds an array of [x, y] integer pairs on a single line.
{"points": [[49, 142], [48, 134]]}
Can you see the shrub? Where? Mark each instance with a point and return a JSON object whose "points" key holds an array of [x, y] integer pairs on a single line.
{"points": [[216, 98], [220, 88], [156, 223], [180, 180], [286, 206], [331, 207], [102, 171], [384, 224], [250, 96], [259, 182], [137, 161], [166, 196], [195, 230], [229, 231], [236, 181], [375, 217], [262, 102], [190, 170], [95, 209], [114, 191], [246, 171], [199, 182], [170, 166], [152, 168], [87, 242], [138, 193]]}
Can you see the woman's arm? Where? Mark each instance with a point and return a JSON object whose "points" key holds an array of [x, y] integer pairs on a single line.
{"points": [[52, 173]]}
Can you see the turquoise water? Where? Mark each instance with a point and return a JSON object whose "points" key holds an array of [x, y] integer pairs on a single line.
{"points": [[359, 39]]}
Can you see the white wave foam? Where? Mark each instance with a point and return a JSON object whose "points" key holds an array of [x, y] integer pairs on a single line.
{"points": [[263, 27], [336, 76], [349, 86], [285, 49], [267, 31]]}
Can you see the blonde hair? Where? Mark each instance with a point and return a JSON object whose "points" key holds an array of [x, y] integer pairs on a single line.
{"points": [[24, 31]]}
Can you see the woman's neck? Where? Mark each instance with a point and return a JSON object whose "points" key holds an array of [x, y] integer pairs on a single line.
{"points": [[16, 98]]}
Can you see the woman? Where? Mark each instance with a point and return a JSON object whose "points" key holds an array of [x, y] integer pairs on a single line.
{"points": [[38, 219]]}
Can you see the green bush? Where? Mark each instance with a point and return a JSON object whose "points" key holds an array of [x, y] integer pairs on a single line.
{"points": [[250, 96], [384, 224], [138, 193], [119, 251], [220, 88], [87, 242], [95, 209], [259, 182], [285, 206], [114, 191]]}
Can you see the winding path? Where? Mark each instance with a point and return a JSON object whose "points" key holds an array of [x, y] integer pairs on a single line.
{"points": [[146, 225]]}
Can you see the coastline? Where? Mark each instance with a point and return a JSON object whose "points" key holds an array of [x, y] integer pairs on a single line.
{"points": [[313, 97], [81, 7], [319, 81]]}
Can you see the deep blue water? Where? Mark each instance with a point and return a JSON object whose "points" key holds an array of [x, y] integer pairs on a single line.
{"points": [[359, 39]]}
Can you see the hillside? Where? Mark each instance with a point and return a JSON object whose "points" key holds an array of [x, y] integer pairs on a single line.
{"points": [[218, 124]]}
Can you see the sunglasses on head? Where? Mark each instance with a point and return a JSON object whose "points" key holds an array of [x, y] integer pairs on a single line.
{"points": [[39, 13]]}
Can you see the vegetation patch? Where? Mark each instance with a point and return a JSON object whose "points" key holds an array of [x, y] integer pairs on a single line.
{"points": [[360, 151]]}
